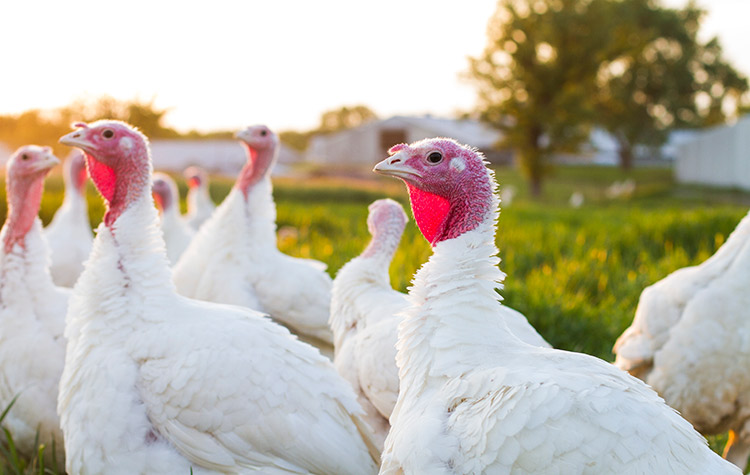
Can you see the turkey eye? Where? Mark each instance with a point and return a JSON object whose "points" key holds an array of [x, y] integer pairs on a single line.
{"points": [[434, 157], [24, 157], [263, 133], [108, 134]]}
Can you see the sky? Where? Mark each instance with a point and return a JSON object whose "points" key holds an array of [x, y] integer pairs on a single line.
{"points": [[223, 65]]}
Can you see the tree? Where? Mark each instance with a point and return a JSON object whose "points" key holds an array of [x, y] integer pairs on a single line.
{"points": [[331, 121], [144, 115], [664, 78], [345, 117], [536, 76]]}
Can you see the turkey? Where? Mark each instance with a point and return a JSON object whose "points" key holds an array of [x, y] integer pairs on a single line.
{"points": [[177, 233], [69, 234], [476, 399], [364, 321], [234, 259], [32, 315], [364, 318], [199, 204], [177, 384], [688, 342]]}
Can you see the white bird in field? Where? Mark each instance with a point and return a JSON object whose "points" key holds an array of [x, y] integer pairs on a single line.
{"points": [[364, 320], [689, 341], [199, 203], [158, 383], [177, 233], [69, 234], [234, 258], [507, 194], [32, 314], [365, 313], [476, 399], [576, 199]]}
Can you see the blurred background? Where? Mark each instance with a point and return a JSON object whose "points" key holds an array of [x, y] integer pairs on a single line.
{"points": [[532, 83], [615, 127]]}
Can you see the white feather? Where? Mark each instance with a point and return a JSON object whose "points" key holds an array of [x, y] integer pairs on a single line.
{"points": [[32, 347], [69, 235], [476, 399], [183, 383], [234, 259], [177, 233], [690, 340]]}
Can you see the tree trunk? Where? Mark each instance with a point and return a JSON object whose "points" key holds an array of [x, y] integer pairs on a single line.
{"points": [[625, 152], [535, 182], [626, 158]]}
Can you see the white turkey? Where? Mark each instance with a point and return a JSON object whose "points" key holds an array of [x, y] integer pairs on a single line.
{"points": [[32, 315], [234, 259], [689, 341], [69, 234], [364, 320], [177, 233], [476, 399], [158, 383], [199, 203]]}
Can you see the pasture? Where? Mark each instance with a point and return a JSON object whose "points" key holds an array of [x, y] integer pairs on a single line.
{"points": [[575, 273]]}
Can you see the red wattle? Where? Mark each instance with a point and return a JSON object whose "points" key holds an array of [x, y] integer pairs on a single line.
{"points": [[159, 201], [429, 211], [102, 176]]}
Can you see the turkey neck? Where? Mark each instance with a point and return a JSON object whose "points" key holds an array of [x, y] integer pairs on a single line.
{"points": [[74, 202], [257, 168], [260, 216], [24, 198], [382, 246], [197, 196], [452, 325]]}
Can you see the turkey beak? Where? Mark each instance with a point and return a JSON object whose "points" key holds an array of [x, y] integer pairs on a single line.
{"points": [[242, 135], [395, 166], [50, 161], [75, 139]]}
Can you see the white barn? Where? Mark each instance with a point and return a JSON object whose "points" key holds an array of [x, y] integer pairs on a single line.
{"points": [[369, 143], [225, 157], [719, 156]]}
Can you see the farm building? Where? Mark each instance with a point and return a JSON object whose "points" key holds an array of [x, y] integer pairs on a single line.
{"points": [[369, 143], [224, 157], [719, 156], [217, 156]]}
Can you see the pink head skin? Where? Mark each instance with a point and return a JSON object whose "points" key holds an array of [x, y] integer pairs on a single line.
{"points": [[75, 170], [261, 145], [26, 170], [195, 177], [386, 223], [449, 185], [164, 190], [118, 162]]}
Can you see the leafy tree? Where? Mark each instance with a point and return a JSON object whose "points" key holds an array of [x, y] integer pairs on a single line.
{"points": [[143, 115], [536, 76], [664, 78], [296, 140], [331, 121], [345, 117], [46, 127]]}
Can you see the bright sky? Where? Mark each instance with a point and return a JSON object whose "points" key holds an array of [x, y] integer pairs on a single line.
{"points": [[227, 64]]}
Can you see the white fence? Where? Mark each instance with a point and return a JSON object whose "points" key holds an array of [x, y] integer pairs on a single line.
{"points": [[717, 157]]}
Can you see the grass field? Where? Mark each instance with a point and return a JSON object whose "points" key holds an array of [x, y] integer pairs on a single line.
{"points": [[576, 273]]}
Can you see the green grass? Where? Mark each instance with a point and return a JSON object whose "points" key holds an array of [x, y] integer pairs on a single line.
{"points": [[576, 274]]}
